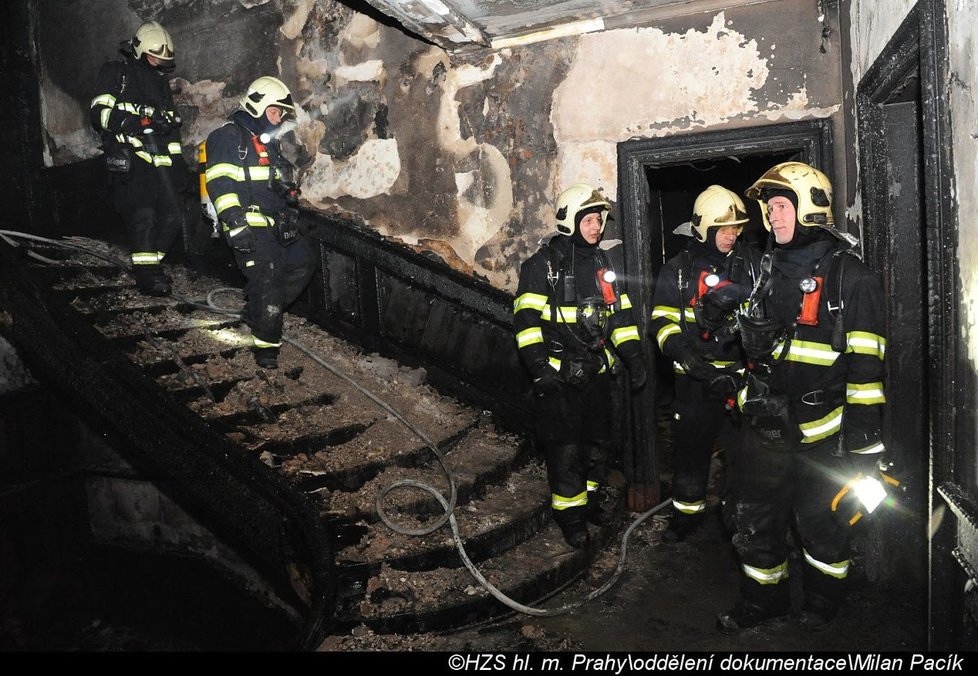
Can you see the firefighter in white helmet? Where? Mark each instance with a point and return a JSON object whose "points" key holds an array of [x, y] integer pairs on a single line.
{"points": [[134, 114], [813, 332], [254, 190], [697, 296], [573, 324]]}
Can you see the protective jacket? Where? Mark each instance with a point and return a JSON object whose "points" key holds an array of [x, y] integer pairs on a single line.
{"points": [[830, 365], [244, 174], [681, 301], [684, 283], [131, 98], [550, 331]]}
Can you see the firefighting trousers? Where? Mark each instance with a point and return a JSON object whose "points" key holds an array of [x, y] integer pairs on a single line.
{"points": [[574, 431], [148, 200], [774, 487], [698, 421], [275, 275]]}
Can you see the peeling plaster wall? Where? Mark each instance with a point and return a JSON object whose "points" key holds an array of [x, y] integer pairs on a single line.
{"points": [[457, 154]]}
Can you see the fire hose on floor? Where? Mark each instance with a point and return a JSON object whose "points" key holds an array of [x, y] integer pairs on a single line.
{"points": [[448, 504]]}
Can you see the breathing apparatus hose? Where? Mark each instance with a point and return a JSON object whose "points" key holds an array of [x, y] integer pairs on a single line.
{"points": [[448, 505]]}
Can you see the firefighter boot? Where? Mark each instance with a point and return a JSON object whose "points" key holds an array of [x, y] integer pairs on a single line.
{"points": [[266, 357], [681, 526], [595, 511], [573, 526], [745, 615], [151, 280], [758, 604], [817, 613]]}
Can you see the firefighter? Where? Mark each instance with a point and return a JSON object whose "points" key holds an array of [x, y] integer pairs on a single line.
{"points": [[573, 325], [694, 320], [134, 114], [256, 198], [813, 333]]}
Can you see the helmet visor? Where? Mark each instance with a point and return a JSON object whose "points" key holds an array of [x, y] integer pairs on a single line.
{"points": [[162, 52]]}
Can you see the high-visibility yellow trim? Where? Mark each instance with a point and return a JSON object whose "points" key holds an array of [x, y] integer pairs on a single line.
{"points": [[809, 352], [559, 502], [826, 426], [838, 570], [530, 336], [665, 332], [530, 301], [226, 201], [864, 342], [624, 334], [263, 344], [145, 257], [865, 393], [767, 575], [873, 449], [689, 507]]}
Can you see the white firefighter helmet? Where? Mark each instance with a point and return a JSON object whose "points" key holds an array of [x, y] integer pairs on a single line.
{"points": [[576, 199], [264, 92], [810, 186], [717, 207], [152, 39]]}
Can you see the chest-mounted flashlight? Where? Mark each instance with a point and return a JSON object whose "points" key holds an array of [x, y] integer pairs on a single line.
{"points": [[606, 282]]}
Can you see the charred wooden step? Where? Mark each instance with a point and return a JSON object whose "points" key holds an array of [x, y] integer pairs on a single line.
{"points": [[507, 514], [476, 462], [337, 448], [399, 601]]}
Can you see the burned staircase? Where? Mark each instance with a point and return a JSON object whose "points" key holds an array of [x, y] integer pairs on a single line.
{"points": [[288, 464]]}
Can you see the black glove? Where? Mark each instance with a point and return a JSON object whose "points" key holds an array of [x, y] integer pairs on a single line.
{"points": [[161, 122], [694, 363], [637, 373], [546, 382], [239, 235]]}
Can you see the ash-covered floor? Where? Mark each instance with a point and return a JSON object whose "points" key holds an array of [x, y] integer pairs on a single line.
{"points": [[667, 599]]}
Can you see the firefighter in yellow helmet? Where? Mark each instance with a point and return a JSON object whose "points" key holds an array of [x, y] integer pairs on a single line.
{"points": [[813, 332], [134, 114], [574, 326], [256, 197], [697, 296]]}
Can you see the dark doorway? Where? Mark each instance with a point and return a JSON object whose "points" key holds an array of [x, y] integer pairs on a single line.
{"points": [[659, 180], [910, 238]]}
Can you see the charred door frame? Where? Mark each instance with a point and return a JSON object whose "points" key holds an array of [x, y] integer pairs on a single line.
{"points": [[811, 140], [921, 44]]}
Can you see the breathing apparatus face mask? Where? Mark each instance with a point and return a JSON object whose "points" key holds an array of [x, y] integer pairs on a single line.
{"points": [[592, 317], [759, 335]]}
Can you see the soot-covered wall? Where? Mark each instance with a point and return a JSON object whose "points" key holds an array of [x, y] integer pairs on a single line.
{"points": [[457, 154]]}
